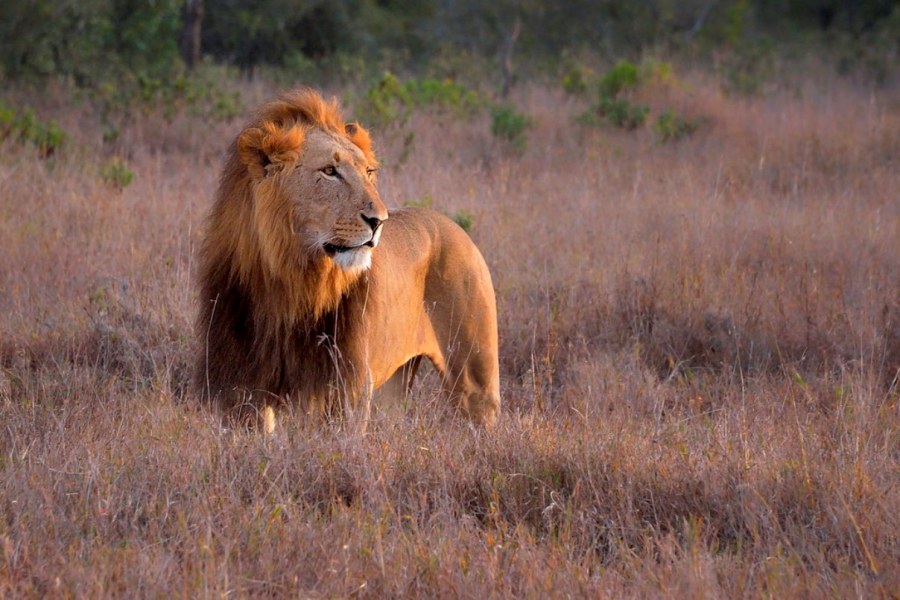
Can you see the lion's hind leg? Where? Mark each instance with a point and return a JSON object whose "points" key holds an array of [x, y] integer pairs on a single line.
{"points": [[475, 397], [471, 380], [468, 362]]}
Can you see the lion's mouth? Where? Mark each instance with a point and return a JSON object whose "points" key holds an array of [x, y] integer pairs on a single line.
{"points": [[333, 249]]}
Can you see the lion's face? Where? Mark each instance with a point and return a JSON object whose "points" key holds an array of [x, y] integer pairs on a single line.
{"points": [[314, 196], [335, 208]]}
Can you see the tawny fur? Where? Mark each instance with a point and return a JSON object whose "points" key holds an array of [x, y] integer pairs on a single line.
{"points": [[280, 320]]}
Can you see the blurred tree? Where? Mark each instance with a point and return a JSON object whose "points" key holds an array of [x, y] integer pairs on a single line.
{"points": [[190, 35], [43, 38], [144, 35], [854, 17], [507, 52], [94, 41], [89, 40], [247, 32]]}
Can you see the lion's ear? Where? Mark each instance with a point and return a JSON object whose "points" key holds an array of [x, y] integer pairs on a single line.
{"points": [[361, 139], [269, 149]]}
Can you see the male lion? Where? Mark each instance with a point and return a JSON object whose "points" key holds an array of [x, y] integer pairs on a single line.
{"points": [[311, 292]]}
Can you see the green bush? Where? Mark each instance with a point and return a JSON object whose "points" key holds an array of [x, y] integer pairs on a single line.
{"points": [[610, 107], [386, 101], [445, 93], [575, 80], [7, 116], [464, 219], [624, 75], [25, 127], [424, 202], [614, 108], [670, 127], [510, 125], [622, 113], [204, 92], [389, 99], [656, 70], [461, 217], [116, 174]]}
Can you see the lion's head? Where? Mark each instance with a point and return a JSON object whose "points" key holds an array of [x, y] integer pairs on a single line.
{"points": [[298, 210]]}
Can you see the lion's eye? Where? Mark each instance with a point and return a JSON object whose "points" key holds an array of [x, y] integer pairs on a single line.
{"points": [[330, 171], [371, 172]]}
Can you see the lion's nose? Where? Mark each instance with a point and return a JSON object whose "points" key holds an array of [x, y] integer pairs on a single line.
{"points": [[373, 222]]}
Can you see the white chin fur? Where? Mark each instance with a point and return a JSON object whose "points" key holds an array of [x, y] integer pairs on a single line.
{"points": [[359, 259]]}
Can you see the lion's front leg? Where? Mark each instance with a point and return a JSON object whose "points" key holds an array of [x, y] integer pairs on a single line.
{"points": [[357, 407], [267, 416]]}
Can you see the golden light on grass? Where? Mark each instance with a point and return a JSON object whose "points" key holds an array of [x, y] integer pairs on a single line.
{"points": [[700, 344]]}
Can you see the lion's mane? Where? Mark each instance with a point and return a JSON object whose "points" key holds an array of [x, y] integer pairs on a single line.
{"points": [[261, 317]]}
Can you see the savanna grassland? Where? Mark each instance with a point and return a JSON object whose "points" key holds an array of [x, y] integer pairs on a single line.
{"points": [[700, 343]]}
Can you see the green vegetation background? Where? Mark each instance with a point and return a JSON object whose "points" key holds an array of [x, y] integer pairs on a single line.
{"points": [[140, 47]]}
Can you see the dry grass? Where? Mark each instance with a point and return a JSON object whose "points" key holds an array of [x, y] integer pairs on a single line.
{"points": [[700, 351]]}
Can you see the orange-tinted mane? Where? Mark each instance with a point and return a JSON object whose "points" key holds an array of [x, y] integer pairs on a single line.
{"points": [[265, 300], [305, 107]]}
